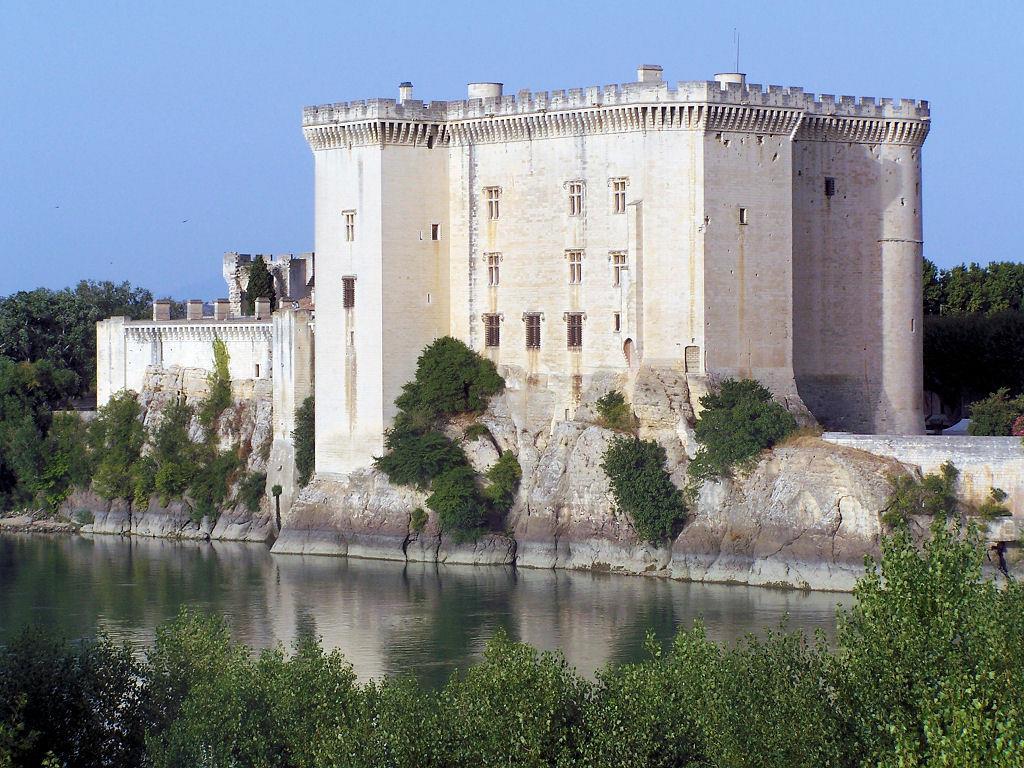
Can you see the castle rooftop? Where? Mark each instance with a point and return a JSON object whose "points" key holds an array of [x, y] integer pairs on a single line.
{"points": [[727, 89]]}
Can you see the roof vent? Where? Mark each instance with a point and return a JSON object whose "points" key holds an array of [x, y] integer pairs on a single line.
{"points": [[648, 73]]}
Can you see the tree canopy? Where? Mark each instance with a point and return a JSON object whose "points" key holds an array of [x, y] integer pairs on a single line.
{"points": [[60, 326]]}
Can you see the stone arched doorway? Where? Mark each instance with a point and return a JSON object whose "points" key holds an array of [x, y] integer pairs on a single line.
{"points": [[629, 352]]}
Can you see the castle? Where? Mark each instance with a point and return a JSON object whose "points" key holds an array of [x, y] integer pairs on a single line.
{"points": [[715, 227]]}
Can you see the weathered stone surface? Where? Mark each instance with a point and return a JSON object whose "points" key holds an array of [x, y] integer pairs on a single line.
{"points": [[246, 423], [359, 515], [805, 516]]}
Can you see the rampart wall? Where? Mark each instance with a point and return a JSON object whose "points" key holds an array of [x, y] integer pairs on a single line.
{"points": [[984, 462]]}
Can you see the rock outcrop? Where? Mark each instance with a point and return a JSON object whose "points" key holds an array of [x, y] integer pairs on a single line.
{"points": [[245, 424], [805, 516]]}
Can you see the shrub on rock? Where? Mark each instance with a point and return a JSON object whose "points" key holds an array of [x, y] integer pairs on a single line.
{"points": [[642, 487], [738, 421]]}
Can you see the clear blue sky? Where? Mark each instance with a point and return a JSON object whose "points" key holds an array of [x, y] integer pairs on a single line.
{"points": [[141, 140]]}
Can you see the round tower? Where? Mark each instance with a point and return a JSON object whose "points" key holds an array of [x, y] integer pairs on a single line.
{"points": [[899, 408]]}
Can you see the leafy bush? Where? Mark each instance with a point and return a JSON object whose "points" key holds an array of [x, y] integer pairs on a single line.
{"points": [[252, 489], [927, 669], [934, 495], [475, 431], [75, 705], [456, 500], [996, 414], [931, 660], [503, 482], [415, 458], [212, 483], [450, 378], [738, 421], [219, 398], [615, 411], [118, 437], [642, 487], [173, 459], [418, 520], [304, 436], [994, 505]]}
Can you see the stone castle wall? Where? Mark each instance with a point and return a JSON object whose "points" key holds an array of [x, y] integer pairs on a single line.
{"points": [[984, 462], [734, 266]]}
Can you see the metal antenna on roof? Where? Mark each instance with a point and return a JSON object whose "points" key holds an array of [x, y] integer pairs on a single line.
{"points": [[736, 42]]}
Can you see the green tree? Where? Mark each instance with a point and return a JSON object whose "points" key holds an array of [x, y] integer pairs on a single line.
{"points": [[737, 422], [642, 487], [117, 435], [260, 286], [60, 326], [503, 482], [304, 436], [932, 667]]}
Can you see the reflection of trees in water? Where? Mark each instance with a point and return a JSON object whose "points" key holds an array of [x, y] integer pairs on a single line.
{"points": [[386, 617], [81, 585], [458, 608]]}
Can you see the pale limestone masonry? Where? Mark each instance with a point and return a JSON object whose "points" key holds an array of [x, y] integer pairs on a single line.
{"points": [[127, 349], [720, 229], [984, 462]]}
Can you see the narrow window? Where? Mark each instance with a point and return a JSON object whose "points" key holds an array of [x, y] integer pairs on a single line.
{"points": [[575, 198], [493, 259], [619, 195], [492, 330], [350, 225], [348, 292], [830, 186], [532, 330], [435, 231], [575, 266], [617, 322], [257, 370], [574, 330], [618, 267], [744, 217], [493, 197]]}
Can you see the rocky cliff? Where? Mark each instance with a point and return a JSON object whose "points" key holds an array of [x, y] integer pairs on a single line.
{"points": [[804, 516], [245, 423]]}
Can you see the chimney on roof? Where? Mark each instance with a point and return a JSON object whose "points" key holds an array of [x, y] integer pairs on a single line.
{"points": [[648, 73], [404, 92], [724, 78], [485, 90]]}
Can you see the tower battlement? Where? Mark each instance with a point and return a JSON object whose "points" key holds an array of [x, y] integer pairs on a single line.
{"points": [[648, 93]]}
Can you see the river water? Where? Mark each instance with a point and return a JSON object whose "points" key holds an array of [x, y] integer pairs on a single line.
{"points": [[387, 618]]}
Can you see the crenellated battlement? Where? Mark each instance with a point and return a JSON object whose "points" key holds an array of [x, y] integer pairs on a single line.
{"points": [[626, 94]]}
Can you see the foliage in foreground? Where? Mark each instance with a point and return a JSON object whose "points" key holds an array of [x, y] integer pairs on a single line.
{"points": [[737, 422], [928, 670], [642, 487]]}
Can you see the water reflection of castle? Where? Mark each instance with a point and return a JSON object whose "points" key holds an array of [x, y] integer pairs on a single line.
{"points": [[388, 618]]}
